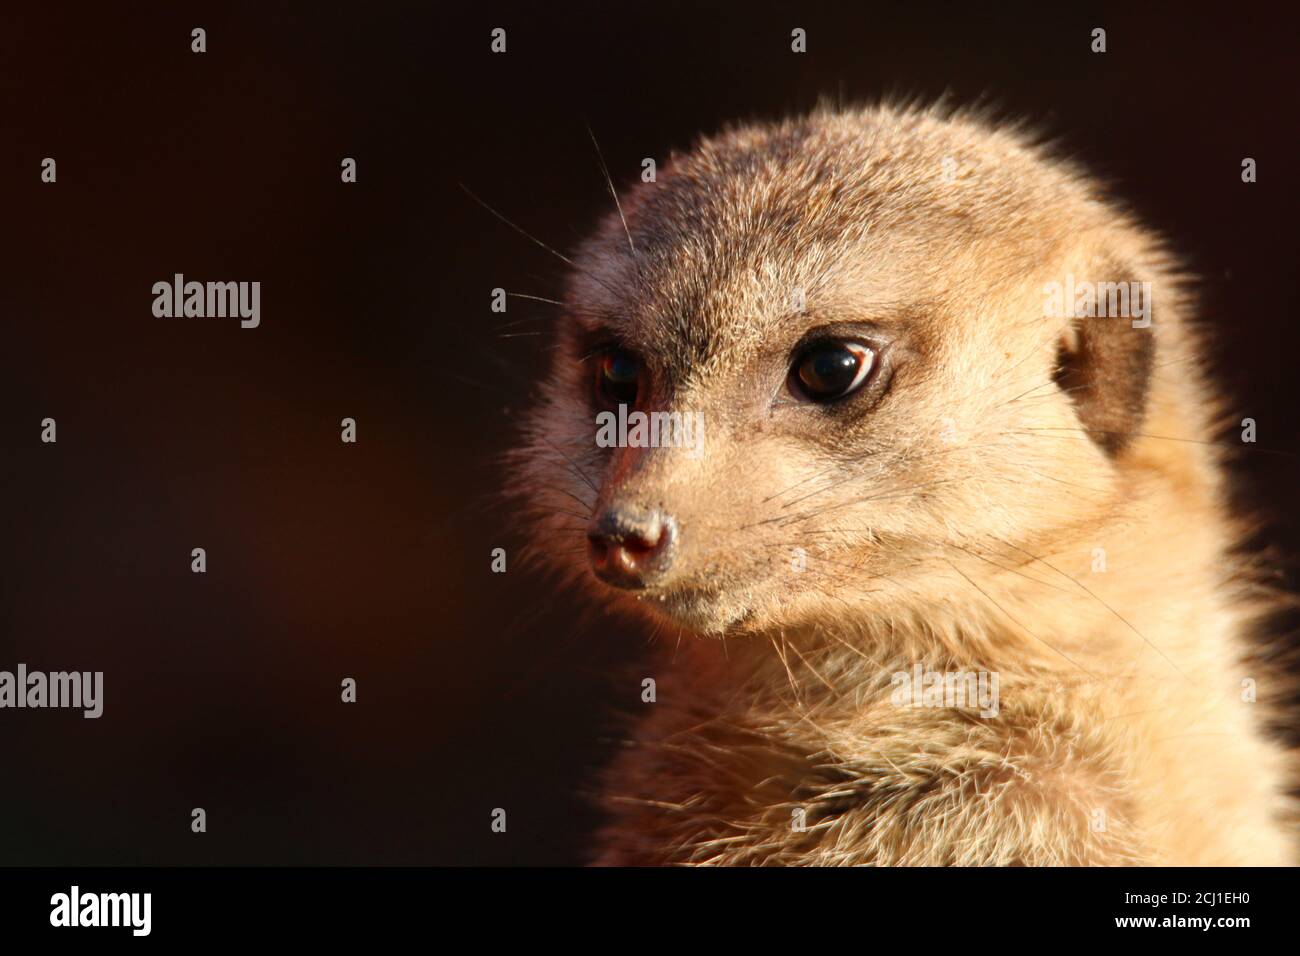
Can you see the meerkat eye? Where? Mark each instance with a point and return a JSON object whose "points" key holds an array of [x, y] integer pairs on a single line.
{"points": [[617, 376], [827, 371]]}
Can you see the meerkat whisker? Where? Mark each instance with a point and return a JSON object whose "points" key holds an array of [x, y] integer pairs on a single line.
{"points": [[525, 233]]}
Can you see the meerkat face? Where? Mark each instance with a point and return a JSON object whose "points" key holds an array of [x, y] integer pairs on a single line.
{"points": [[817, 367]]}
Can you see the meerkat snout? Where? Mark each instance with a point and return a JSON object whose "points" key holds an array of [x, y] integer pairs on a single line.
{"points": [[630, 547]]}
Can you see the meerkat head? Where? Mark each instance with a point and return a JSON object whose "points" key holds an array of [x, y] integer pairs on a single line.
{"points": [[821, 365]]}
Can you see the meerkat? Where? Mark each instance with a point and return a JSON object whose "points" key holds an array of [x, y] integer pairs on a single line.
{"points": [[918, 458]]}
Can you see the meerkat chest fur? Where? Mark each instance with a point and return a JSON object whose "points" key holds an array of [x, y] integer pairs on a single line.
{"points": [[805, 750], [891, 431]]}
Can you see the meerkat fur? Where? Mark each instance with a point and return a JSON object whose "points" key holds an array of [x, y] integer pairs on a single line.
{"points": [[1024, 491]]}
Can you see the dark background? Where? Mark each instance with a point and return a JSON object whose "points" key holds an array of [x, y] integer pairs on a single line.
{"points": [[371, 560]]}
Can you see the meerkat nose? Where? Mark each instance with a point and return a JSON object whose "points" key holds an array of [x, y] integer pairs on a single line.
{"points": [[629, 547]]}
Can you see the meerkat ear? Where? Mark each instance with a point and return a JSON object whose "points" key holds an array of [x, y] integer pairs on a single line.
{"points": [[1107, 355]]}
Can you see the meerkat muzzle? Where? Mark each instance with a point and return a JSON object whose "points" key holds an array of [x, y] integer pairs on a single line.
{"points": [[631, 548]]}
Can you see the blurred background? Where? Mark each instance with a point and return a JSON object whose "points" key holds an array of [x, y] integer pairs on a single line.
{"points": [[327, 560]]}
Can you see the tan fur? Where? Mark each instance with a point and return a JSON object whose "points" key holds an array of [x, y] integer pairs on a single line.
{"points": [[954, 522]]}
